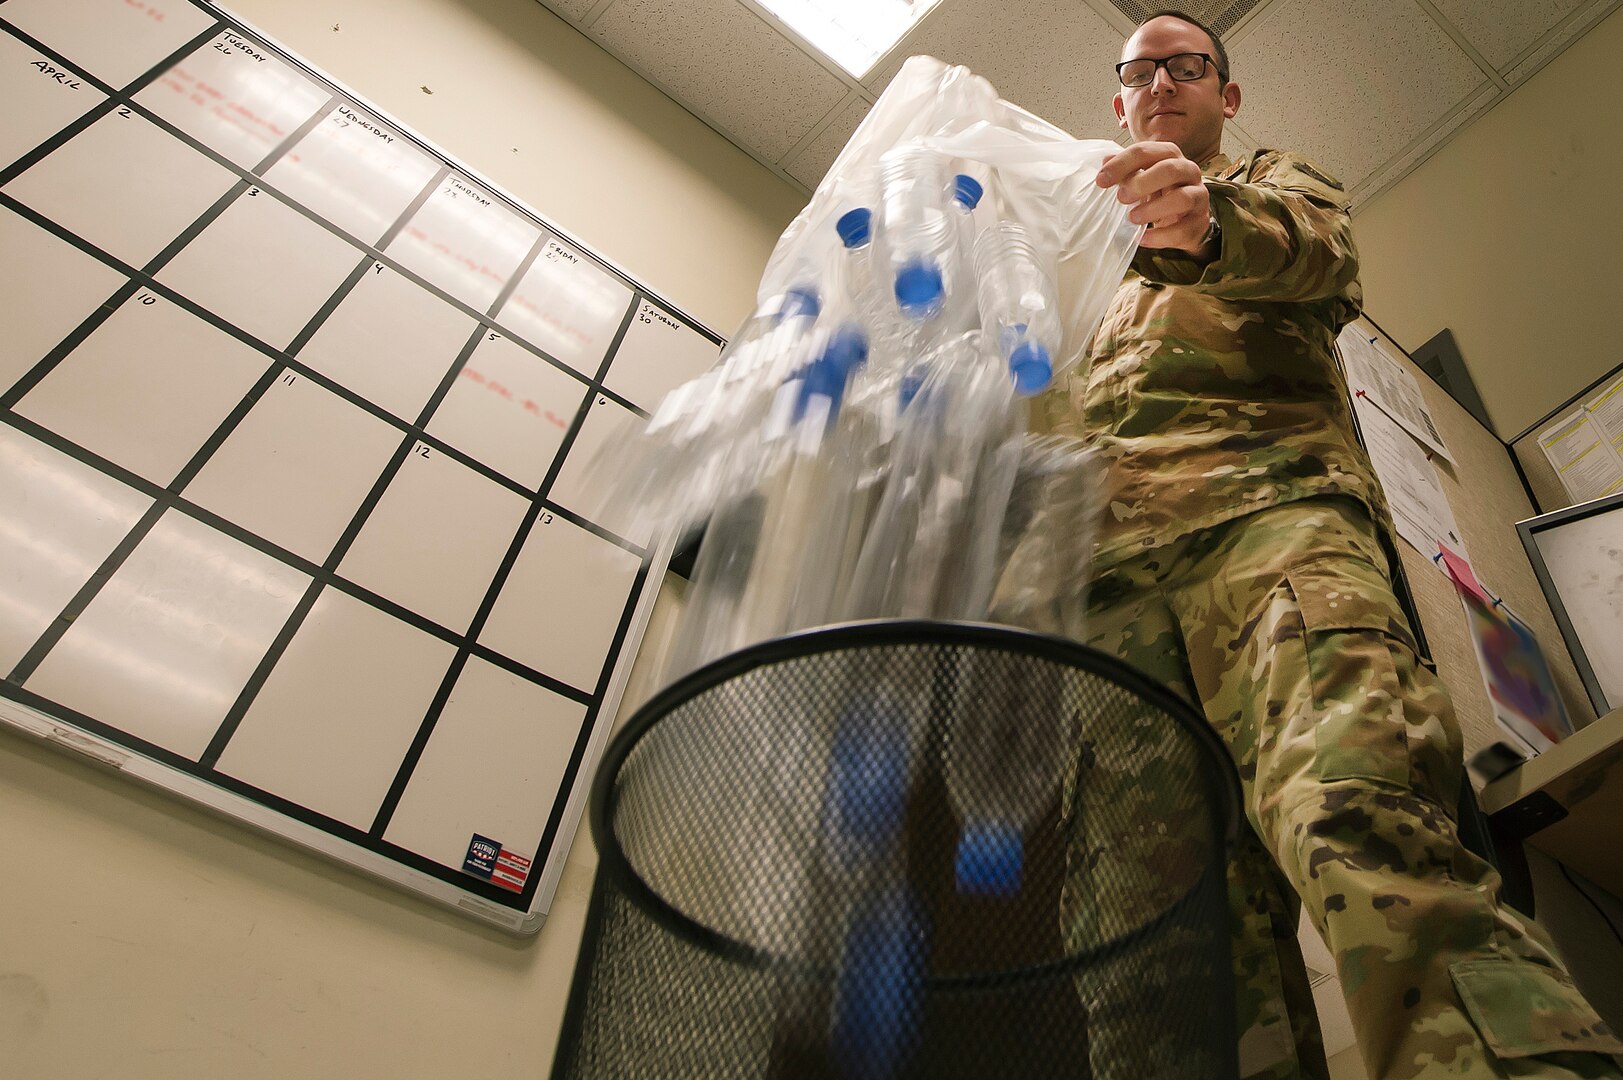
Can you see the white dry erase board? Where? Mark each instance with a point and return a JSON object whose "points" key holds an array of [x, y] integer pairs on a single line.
{"points": [[294, 412]]}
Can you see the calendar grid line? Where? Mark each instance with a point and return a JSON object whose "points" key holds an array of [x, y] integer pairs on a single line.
{"points": [[295, 620], [7, 26], [637, 297], [88, 591], [139, 280], [583, 739], [289, 141], [419, 743], [116, 96], [248, 538], [375, 253], [147, 272], [579, 335], [229, 24], [249, 691], [294, 810], [75, 337], [425, 729]]}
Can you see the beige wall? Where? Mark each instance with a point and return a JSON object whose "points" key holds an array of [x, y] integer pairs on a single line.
{"points": [[140, 938], [1510, 236]]}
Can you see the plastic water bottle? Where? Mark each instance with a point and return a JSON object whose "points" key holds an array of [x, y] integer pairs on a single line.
{"points": [[921, 221], [862, 285], [804, 520], [1018, 303], [966, 195], [880, 972], [1002, 762]]}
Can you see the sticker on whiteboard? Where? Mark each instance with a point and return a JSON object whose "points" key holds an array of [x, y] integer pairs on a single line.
{"points": [[481, 858], [487, 859]]}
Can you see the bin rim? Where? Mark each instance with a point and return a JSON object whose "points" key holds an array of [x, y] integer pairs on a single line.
{"points": [[836, 637]]}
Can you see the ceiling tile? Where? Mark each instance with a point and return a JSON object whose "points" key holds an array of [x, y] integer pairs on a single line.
{"points": [[573, 10], [1349, 83], [1407, 160], [1501, 30], [720, 59], [813, 160], [1055, 58]]}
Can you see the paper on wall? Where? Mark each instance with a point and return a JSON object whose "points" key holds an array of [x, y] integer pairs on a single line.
{"points": [[1384, 380], [1584, 453], [1606, 408], [1420, 510]]}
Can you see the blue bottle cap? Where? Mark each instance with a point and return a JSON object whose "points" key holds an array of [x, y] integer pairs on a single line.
{"points": [[879, 992], [847, 350], [919, 288], [867, 782], [967, 190], [817, 379], [855, 227], [799, 300], [991, 858], [1031, 367]]}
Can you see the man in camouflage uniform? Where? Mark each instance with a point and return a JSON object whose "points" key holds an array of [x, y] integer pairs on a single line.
{"points": [[1240, 560]]}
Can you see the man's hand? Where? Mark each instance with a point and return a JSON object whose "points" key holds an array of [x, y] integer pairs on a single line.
{"points": [[1165, 190]]}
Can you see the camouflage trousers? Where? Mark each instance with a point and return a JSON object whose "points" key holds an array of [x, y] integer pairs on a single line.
{"points": [[1284, 627]]}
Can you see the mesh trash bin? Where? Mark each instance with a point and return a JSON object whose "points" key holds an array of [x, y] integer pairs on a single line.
{"points": [[908, 849]]}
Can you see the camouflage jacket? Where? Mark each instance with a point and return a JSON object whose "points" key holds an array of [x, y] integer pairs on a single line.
{"points": [[1213, 391]]}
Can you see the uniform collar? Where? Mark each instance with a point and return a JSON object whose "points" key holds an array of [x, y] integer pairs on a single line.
{"points": [[1217, 166]]}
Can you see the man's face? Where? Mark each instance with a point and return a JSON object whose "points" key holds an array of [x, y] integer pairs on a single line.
{"points": [[1190, 114]]}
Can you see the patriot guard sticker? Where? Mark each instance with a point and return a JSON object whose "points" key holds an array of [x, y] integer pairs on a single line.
{"points": [[487, 859]]}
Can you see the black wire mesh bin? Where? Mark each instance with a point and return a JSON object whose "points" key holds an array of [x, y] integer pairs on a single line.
{"points": [[909, 849]]}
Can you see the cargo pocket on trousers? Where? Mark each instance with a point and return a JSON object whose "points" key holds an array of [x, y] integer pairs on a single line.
{"points": [[1522, 1009], [1351, 626]]}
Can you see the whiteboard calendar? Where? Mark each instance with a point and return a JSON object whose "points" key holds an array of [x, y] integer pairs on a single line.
{"points": [[294, 419]]}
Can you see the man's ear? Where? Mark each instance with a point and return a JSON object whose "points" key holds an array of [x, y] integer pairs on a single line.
{"points": [[1121, 112], [1231, 100]]}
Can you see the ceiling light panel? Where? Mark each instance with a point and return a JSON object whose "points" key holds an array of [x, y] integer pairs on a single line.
{"points": [[852, 33]]}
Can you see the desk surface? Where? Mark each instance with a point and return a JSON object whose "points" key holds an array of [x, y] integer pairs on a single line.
{"points": [[1569, 801]]}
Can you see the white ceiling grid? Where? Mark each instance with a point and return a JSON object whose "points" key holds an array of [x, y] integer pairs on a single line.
{"points": [[1370, 88]]}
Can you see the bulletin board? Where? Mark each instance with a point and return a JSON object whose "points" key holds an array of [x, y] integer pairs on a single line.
{"points": [[295, 414], [1487, 498]]}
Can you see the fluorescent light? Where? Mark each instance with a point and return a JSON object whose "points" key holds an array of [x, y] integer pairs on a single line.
{"points": [[852, 33]]}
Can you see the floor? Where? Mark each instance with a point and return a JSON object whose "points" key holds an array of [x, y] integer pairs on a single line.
{"points": [[1345, 1064]]}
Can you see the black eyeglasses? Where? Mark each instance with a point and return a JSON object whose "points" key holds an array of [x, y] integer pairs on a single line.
{"points": [[1183, 67]]}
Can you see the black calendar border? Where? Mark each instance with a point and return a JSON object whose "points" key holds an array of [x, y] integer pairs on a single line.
{"points": [[282, 363]]}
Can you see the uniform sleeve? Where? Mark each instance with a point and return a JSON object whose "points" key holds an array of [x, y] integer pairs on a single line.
{"points": [[1287, 237]]}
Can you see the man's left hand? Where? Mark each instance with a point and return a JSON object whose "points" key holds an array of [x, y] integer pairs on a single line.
{"points": [[1166, 192]]}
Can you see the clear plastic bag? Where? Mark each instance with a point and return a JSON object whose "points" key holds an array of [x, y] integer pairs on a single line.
{"points": [[897, 482]]}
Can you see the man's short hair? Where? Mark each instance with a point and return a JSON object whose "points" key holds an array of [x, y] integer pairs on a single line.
{"points": [[1217, 42]]}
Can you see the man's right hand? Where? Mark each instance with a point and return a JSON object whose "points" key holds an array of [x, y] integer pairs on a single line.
{"points": [[1167, 193]]}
